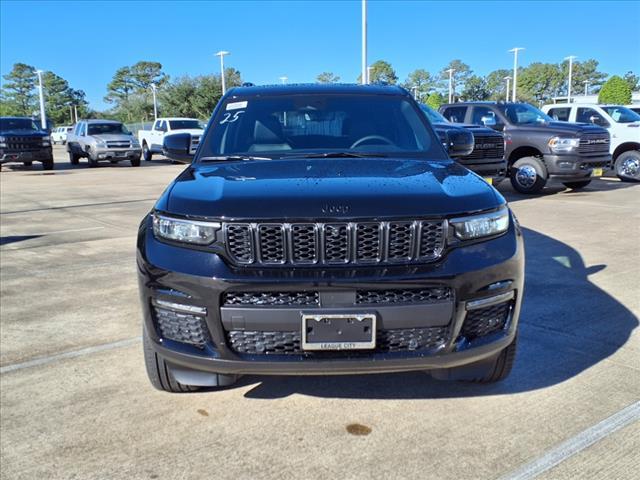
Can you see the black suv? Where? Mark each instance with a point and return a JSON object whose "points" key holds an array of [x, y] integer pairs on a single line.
{"points": [[487, 157], [23, 141], [322, 229], [537, 148]]}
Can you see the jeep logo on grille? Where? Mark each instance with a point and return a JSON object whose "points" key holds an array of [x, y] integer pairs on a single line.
{"points": [[328, 208]]}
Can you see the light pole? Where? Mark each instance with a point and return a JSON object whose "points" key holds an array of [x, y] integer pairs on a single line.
{"points": [[515, 71], [415, 92], [365, 72], [43, 117], [221, 54], [586, 87], [369, 70], [451, 70], [570, 58], [284, 79], [507, 78], [75, 111], [155, 101]]}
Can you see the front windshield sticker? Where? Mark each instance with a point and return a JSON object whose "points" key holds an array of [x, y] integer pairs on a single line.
{"points": [[236, 105]]}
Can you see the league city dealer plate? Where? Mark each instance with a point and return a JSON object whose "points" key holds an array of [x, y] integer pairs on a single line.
{"points": [[335, 331], [596, 172]]}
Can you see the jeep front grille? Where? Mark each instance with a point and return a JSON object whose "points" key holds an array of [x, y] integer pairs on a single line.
{"points": [[335, 243]]}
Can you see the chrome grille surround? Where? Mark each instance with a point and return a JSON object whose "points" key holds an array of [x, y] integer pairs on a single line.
{"points": [[335, 243]]}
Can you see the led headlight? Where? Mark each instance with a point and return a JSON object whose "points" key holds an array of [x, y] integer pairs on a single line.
{"points": [[181, 230], [482, 225], [562, 144]]}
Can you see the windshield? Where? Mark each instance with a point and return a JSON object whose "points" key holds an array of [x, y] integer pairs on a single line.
{"points": [[622, 114], [17, 124], [303, 124], [524, 114], [432, 115], [185, 124], [107, 128]]}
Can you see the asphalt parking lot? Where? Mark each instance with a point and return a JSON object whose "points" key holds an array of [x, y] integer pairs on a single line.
{"points": [[76, 403]]}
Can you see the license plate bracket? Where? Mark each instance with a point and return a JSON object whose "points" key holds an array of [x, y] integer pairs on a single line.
{"points": [[596, 172], [338, 331]]}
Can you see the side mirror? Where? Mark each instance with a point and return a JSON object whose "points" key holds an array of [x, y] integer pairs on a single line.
{"points": [[459, 143], [178, 147], [488, 121]]}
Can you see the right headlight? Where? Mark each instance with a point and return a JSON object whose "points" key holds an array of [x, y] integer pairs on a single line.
{"points": [[101, 144], [182, 230], [481, 225]]}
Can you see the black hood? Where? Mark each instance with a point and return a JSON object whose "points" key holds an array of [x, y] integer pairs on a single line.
{"points": [[23, 133], [303, 188]]}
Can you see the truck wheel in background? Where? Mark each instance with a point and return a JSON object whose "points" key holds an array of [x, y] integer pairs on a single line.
{"points": [[627, 166], [47, 164], [27, 164], [73, 158], [577, 185], [528, 175], [135, 161], [146, 153], [93, 162]]}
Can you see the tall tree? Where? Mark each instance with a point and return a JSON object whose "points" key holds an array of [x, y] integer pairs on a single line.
{"points": [[539, 82], [475, 88], [381, 71], [145, 73], [120, 87], [420, 83], [435, 100], [581, 72], [497, 85], [461, 72], [18, 90], [58, 97], [633, 80], [327, 77], [615, 90]]}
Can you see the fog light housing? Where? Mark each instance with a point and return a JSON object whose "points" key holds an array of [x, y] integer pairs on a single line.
{"points": [[181, 323]]}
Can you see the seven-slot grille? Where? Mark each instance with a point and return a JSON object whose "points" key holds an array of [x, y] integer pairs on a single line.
{"points": [[487, 147], [594, 143], [334, 243], [24, 143], [195, 141]]}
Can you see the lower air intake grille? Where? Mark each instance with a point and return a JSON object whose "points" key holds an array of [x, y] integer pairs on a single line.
{"points": [[270, 298], [181, 327], [288, 343], [485, 321], [422, 295]]}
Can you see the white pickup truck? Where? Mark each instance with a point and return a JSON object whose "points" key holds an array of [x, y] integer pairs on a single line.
{"points": [[623, 125], [152, 140]]}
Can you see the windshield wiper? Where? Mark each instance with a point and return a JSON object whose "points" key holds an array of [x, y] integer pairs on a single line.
{"points": [[232, 157], [341, 155]]}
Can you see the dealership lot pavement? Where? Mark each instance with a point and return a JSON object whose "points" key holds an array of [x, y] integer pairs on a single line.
{"points": [[75, 401]]}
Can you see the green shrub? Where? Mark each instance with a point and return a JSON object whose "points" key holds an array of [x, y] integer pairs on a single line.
{"points": [[435, 100], [615, 90]]}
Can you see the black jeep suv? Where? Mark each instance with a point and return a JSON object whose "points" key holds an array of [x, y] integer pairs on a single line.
{"points": [[537, 148], [487, 157], [322, 229], [22, 141]]}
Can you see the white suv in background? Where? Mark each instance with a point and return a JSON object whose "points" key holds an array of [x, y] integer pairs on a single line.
{"points": [[59, 134], [152, 140], [623, 125]]}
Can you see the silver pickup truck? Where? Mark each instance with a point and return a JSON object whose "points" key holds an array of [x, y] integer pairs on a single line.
{"points": [[98, 140]]}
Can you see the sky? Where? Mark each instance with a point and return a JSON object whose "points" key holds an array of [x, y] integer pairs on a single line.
{"points": [[86, 41]]}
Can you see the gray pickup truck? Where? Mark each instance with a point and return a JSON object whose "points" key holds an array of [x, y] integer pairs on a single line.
{"points": [[537, 148], [98, 140]]}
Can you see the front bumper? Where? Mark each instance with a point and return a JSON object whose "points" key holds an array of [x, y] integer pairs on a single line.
{"points": [[495, 170], [118, 153], [26, 156], [197, 278], [574, 167]]}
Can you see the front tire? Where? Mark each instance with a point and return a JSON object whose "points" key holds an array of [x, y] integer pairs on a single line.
{"points": [[146, 153], [528, 175], [627, 166], [577, 185], [47, 164], [135, 161], [158, 371], [93, 162], [485, 371]]}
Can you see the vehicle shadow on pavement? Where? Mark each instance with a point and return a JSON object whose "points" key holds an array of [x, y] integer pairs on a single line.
{"points": [[567, 325]]}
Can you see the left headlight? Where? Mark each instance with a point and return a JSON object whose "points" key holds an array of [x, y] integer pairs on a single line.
{"points": [[562, 144], [135, 143], [46, 141], [181, 230], [482, 225]]}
